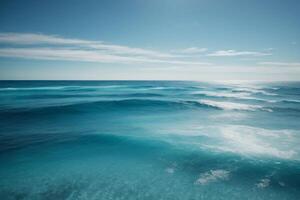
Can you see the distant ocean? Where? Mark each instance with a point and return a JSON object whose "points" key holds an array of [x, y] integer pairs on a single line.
{"points": [[152, 140]]}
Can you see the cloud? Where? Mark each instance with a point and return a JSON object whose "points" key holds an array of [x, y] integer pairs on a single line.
{"points": [[30, 38], [191, 50], [238, 53], [52, 47], [39, 39], [83, 56], [287, 64]]}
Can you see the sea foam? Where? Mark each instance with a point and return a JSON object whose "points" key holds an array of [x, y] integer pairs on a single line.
{"points": [[212, 176], [225, 105], [249, 141]]}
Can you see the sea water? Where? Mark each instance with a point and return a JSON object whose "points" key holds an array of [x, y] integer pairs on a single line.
{"points": [[149, 140]]}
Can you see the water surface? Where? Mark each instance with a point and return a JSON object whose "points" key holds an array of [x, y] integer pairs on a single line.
{"points": [[149, 140]]}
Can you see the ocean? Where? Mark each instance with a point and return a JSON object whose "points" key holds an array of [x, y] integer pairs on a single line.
{"points": [[152, 140]]}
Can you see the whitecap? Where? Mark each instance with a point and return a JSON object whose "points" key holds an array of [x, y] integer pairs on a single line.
{"points": [[241, 95], [233, 106], [254, 91], [212, 176], [236, 95]]}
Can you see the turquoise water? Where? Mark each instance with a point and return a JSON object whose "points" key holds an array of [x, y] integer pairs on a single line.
{"points": [[149, 140]]}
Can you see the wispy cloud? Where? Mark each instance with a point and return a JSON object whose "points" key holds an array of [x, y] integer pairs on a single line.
{"points": [[39, 39], [238, 53], [51, 47], [191, 50], [84, 56], [30, 38], [287, 64]]}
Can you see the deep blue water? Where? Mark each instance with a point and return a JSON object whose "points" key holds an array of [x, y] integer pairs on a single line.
{"points": [[149, 140]]}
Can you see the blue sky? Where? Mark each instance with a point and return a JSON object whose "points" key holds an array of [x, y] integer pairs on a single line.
{"points": [[150, 39]]}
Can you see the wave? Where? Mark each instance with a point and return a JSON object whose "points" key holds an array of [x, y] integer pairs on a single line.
{"points": [[13, 142], [85, 95], [233, 106], [254, 91], [95, 106], [62, 87], [132, 103], [290, 101], [243, 95], [33, 88], [78, 87], [236, 95]]}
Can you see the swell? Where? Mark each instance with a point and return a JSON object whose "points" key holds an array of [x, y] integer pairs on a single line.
{"points": [[95, 87], [56, 88], [63, 96], [137, 105], [131, 104], [96, 106], [108, 143], [16, 142]]}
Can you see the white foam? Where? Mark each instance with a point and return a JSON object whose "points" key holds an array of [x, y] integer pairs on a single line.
{"points": [[291, 100], [233, 106], [212, 176], [241, 95], [248, 140], [253, 90], [236, 95], [263, 183]]}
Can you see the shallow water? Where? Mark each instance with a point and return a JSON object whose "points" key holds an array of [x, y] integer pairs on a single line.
{"points": [[149, 140]]}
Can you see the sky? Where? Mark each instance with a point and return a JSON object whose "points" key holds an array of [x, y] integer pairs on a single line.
{"points": [[202, 40]]}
